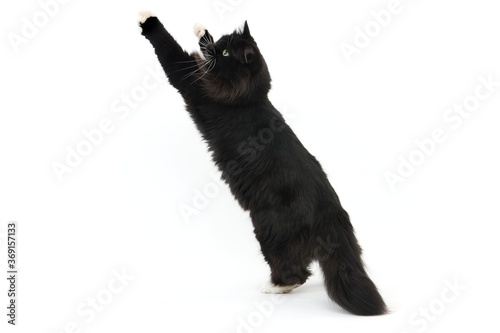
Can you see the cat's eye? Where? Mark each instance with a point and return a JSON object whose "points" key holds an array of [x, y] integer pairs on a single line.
{"points": [[225, 53]]}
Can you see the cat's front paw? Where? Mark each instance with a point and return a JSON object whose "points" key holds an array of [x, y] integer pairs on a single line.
{"points": [[199, 30], [143, 17]]}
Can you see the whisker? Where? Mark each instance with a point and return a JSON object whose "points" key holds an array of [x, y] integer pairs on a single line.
{"points": [[183, 62], [205, 38], [211, 66], [186, 68], [195, 71], [191, 73]]}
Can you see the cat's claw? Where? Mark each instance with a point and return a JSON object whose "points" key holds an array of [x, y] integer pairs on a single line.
{"points": [[143, 16], [270, 288], [199, 30]]}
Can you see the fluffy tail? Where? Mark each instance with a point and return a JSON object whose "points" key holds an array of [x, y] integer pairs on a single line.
{"points": [[345, 278]]}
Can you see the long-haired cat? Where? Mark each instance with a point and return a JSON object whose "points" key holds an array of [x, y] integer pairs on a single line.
{"points": [[296, 214]]}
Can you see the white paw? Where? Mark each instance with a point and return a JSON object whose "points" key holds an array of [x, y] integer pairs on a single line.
{"points": [[270, 288], [143, 16], [199, 30]]}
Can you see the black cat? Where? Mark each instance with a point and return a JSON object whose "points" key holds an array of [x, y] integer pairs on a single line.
{"points": [[296, 214]]}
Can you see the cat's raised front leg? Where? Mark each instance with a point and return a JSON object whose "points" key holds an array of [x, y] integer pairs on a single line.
{"points": [[205, 40], [180, 66]]}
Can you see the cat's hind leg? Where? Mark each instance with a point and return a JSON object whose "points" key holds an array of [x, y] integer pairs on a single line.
{"points": [[289, 261]]}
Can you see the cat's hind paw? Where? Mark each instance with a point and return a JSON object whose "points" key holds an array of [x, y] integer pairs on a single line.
{"points": [[270, 288]]}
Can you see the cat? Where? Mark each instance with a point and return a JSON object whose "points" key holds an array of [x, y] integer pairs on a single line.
{"points": [[296, 214]]}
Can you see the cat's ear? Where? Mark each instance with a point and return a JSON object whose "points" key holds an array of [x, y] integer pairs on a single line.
{"points": [[246, 30]]}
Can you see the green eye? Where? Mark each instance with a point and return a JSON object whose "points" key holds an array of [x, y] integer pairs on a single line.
{"points": [[225, 53]]}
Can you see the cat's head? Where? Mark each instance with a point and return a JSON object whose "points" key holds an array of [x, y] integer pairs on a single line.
{"points": [[233, 69]]}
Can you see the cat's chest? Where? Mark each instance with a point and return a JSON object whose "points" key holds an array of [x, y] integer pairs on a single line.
{"points": [[234, 125]]}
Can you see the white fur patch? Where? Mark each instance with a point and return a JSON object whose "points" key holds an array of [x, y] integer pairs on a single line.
{"points": [[270, 288], [199, 30], [143, 16]]}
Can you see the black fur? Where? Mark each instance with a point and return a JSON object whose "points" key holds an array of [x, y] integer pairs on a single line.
{"points": [[296, 214]]}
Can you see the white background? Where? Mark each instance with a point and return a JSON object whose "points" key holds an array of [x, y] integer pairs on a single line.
{"points": [[120, 208]]}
